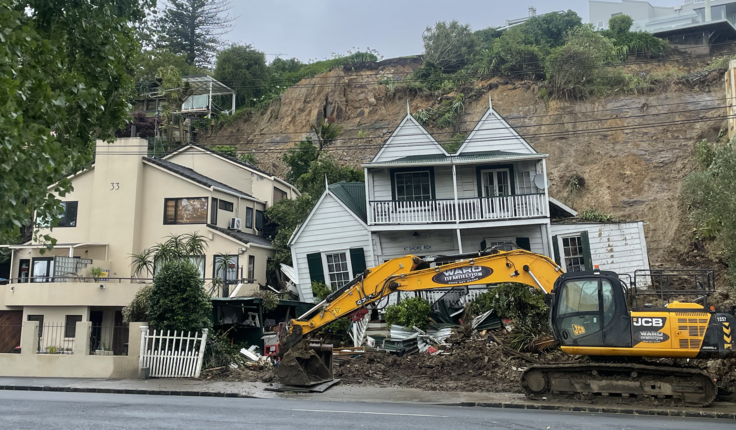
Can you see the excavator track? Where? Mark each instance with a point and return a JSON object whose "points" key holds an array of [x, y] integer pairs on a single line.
{"points": [[624, 383]]}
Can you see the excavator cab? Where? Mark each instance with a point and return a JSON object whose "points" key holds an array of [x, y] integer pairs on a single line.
{"points": [[589, 309]]}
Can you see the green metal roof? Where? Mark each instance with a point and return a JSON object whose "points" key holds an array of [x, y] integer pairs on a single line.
{"points": [[464, 158], [352, 194]]}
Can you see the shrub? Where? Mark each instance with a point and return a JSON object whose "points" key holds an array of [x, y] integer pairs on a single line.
{"points": [[269, 299], [320, 290], [178, 300], [249, 158], [226, 150], [221, 351], [517, 302], [137, 310], [594, 215], [410, 312]]}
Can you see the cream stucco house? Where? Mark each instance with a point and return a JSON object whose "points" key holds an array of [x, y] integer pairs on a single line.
{"points": [[126, 203]]}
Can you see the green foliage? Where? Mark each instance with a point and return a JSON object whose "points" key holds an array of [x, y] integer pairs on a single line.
{"points": [[574, 68], [320, 290], [410, 312], [150, 61], [705, 153], [449, 46], [620, 24], [243, 68], [287, 214], [249, 158], [299, 159], [229, 150], [312, 183], [446, 115], [326, 133], [269, 299], [455, 142], [362, 134], [96, 272], [178, 300], [137, 310], [518, 302], [709, 194], [193, 28], [65, 81], [176, 247], [594, 215], [221, 351]]}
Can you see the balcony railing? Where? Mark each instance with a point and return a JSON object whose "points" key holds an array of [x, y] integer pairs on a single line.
{"points": [[466, 210]]}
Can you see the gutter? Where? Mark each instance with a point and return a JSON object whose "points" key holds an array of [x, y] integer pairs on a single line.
{"points": [[452, 162], [242, 196]]}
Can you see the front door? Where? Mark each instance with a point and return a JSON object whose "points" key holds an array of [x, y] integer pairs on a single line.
{"points": [[496, 183], [43, 269]]}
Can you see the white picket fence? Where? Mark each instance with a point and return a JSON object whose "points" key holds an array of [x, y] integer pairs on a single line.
{"points": [[172, 355]]}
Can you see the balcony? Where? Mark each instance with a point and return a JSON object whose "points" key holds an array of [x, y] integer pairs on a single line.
{"points": [[466, 210]]}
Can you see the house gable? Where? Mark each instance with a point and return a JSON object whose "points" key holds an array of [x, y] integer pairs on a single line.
{"points": [[493, 133], [409, 138], [331, 226]]}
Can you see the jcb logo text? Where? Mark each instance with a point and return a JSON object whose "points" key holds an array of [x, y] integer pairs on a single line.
{"points": [[648, 322]]}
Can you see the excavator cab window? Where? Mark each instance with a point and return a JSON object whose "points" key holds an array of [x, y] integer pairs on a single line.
{"points": [[585, 307]]}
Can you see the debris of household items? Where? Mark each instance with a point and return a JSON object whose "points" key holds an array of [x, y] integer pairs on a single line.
{"points": [[318, 388], [257, 361]]}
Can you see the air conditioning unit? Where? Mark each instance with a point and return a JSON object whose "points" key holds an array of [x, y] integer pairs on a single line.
{"points": [[234, 224]]}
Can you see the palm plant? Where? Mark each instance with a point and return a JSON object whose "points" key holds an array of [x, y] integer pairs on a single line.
{"points": [[142, 262], [221, 265], [176, 247]]}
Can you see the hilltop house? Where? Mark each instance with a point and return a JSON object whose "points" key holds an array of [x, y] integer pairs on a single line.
{"points": [[418, 199], [126, 203]]}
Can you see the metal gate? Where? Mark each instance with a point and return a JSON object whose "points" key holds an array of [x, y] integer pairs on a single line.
{"points": [[172, 355]]}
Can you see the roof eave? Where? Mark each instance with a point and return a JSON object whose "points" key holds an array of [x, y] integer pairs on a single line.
{"points": [[451, 162]]}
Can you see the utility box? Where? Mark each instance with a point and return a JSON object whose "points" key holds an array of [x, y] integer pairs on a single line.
{"points": [[270, 344]]}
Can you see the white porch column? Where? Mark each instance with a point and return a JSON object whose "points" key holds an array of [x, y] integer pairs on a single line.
{"points": [[369, 209], [547, 233], [209, 101], [459, 241], [546, 187], [454, 191]]}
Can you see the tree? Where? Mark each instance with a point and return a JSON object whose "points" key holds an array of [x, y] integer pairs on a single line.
{"points": [[176, 91], [620, 24], [65, 81], [243, 68], [229, 150], [280, 66], [573, 68], [449, 46], [549, 30], [176, 247], [193, 28], [178, 300], [137, 310], [326, 133], [149, 63], [299, 159], [710, 194]]}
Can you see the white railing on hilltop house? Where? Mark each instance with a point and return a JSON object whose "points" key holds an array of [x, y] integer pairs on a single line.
{"points": [[473, 209]]}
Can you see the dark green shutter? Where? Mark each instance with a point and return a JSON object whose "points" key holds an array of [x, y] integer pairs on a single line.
{"points": [[316, 272], [357, 260], [523, 243], [556, 250], [586, 250]]}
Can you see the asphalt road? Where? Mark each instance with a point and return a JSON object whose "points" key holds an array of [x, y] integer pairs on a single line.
{"points": [[44, 410]]}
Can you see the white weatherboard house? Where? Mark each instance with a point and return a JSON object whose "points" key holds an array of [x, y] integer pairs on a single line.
{"points": [[418, 199]]}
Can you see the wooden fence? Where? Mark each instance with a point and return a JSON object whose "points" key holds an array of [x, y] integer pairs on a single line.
{"points": [[172, 355]]}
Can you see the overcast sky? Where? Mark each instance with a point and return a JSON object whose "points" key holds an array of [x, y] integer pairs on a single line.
{"points": [[314, 29]]}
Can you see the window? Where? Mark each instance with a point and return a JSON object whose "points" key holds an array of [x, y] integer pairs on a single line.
{"points": [[70, 328], [43, 269], [496, 182], [337, 269], [579, 296], [260, 221], [197, 260], [226, 205], [525, 181], [213, 212], [278, 195], [413, 186], [185, 211], [573, 252], [226, 268], [251, 268], [248, 217], [69, 216]]}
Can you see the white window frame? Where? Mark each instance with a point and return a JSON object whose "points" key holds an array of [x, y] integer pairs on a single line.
{"points": [[396, 184], [495, 183], [561, 248], [495, 241], [525, 179], [325, 267]]}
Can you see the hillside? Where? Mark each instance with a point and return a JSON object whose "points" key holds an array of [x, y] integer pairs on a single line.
{"points": [[628, 153]]}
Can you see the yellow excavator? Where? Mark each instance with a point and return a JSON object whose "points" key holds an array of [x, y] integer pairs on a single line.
{"points": [[589, 316]]}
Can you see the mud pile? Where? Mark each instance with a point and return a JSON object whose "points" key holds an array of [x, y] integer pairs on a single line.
{"points": [[470, 365]]}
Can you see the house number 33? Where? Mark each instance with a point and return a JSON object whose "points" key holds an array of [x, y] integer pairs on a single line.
{"points": [[114, 186]]}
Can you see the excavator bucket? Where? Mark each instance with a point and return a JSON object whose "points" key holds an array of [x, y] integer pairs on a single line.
{"points": [[306, 364]]}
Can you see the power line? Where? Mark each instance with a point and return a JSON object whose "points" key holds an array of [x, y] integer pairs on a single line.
{"points": [[526, 137]]}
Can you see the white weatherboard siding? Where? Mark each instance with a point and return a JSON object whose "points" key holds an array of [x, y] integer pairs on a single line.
{"points": [[426, 243], [493, 133], [331, 228], [381, 184], [443, 182], [467, 182], [618, 247], [408, 139], [473, 237]]}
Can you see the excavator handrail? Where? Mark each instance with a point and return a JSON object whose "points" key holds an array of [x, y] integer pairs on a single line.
{"points": [[410, 273]]}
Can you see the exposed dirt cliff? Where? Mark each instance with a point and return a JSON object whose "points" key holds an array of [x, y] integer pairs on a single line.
{"points": [[632, 150]]}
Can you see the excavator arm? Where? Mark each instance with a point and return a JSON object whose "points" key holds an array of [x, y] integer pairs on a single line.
{"points": [[410, 273]]}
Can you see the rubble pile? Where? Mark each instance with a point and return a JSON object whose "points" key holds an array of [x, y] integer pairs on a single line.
{"points": [[473, 363]]}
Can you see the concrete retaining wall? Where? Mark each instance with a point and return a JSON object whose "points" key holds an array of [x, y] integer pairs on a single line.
{"points": [[77, 365]]}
